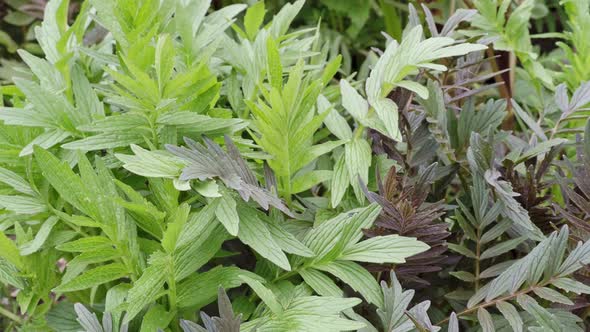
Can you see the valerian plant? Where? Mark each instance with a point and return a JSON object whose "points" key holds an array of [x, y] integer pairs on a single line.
{"points": [[178, 165]]}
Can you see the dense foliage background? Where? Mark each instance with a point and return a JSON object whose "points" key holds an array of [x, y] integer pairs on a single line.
{"points": [[335, 165]]}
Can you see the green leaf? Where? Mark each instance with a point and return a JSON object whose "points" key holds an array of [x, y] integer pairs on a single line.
{"points": [[384, 249], [542, 316], [356, 277], [274, 67], [463, 275], [552, 295], [156, 318], [25, 117], [94, 277], [148, 287], [287, 241], [321, 283], [528, 120], [306, 181], [151, 163], [194, 123], [115, 297], [570, 285], [192, 256], [9, 251], [254, 18], [86, 318], [502, 248], [511, 314], [47, 140], [40, 238], [358, 161], [333, 236], [485, 320], [200, 289], [106, 141], [315, 313], [15, 181], [331, 69], [22, 204], [339, 182], [86, 244], [513, 210], [353, 102], [164, 60], [50, 107], [176, 222], [9, 274], [415, 87], [461, 250], [256, 234], [265, 294], [334, 121], [227, 214], [86, 99], [64, 180], [62, 317], [540, 148]]}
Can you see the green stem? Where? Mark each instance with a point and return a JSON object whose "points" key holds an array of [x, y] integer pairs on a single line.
{"points": [[359, 131], [8, 314], [286, 180]]}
